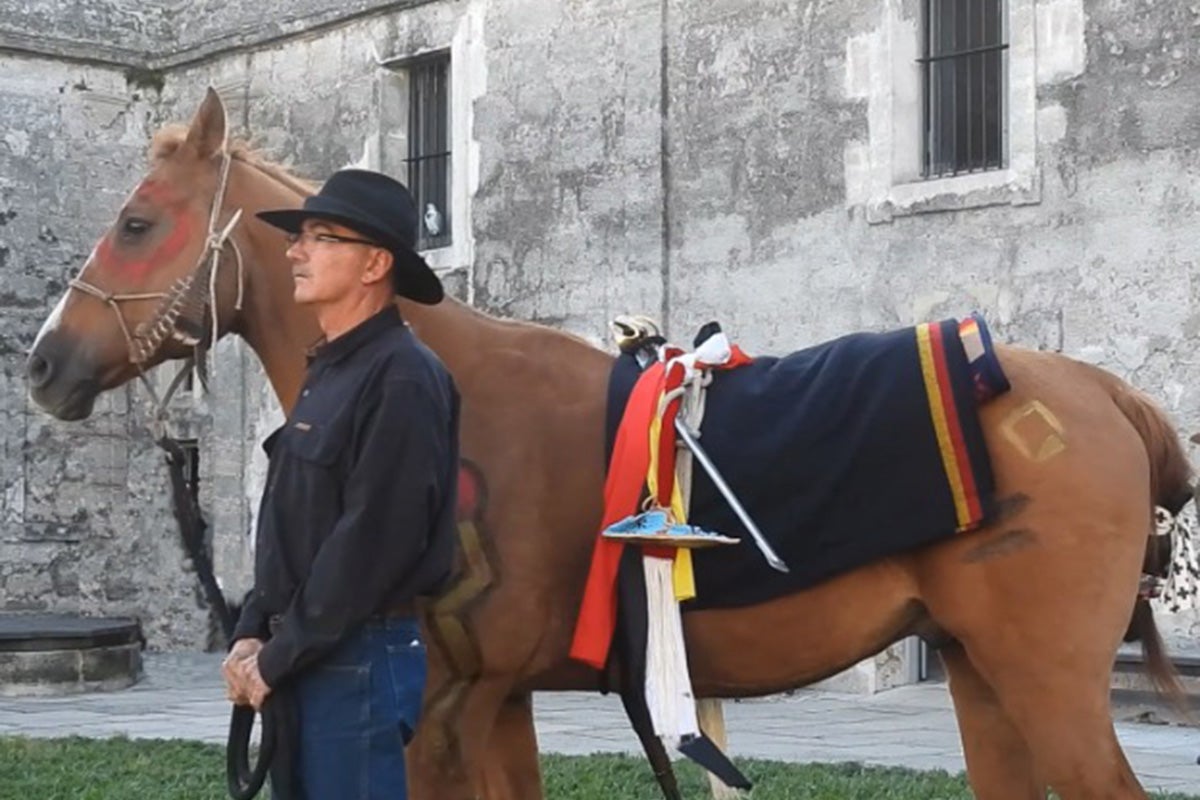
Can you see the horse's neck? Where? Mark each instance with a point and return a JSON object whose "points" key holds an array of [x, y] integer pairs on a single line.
{"points": [[457, 333], [275, 328], [489, 358]]}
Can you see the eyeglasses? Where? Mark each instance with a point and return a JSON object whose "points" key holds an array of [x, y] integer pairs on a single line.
{"points": [[306, 238]]}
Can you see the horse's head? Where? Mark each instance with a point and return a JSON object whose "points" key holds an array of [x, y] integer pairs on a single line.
{"points": [[143, 296]]}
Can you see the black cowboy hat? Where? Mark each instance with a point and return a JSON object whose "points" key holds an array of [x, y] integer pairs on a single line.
{"points": [[382, 210]]}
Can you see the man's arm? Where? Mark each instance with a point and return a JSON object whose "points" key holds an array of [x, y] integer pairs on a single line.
{"points": [[394, 487], [252, 622]]}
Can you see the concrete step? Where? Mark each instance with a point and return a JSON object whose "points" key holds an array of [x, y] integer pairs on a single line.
{"points": [[58, 654]]}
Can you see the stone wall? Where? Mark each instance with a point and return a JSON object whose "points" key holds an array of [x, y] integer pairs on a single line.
{"points": [[85, 525], [747, 161]]}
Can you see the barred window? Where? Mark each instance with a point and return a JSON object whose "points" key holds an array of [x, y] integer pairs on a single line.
{"points": [[963, 77], [416, 146]]}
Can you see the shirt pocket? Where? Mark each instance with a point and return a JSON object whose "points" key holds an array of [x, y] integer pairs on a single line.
{"points": [[315, 444]]}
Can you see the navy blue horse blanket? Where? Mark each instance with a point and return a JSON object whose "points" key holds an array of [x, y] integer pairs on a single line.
{"points": [[843, 454]]}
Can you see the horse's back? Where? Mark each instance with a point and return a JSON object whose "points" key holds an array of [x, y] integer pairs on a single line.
{"points": [[1058, 390]]}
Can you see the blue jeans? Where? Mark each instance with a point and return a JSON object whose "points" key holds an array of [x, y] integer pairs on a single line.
{"points": [[356, 709]]}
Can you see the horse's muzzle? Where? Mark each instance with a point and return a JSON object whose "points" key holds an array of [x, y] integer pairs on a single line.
{"points": [[62, 378]]}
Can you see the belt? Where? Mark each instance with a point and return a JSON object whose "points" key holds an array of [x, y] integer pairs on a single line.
{"points": [[406, 608]]}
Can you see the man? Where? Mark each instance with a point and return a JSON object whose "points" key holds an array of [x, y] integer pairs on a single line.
{"points": [[357, 518]]}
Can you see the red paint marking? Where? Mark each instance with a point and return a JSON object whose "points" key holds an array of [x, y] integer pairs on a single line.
{"points": [[471, 492], [156, 191], [108, 255], [167, 250], [104, 257]]}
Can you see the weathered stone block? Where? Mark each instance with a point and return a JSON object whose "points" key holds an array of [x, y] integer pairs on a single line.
{"points": [[59, 672]]}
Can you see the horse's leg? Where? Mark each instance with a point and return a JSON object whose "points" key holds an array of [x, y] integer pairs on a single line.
{"points": [[1041, 623], [1040, 601], [479, 745], [1065, 718], [1048, 659], [711, 717], [510, 756], [999, 764], [437, 769]]}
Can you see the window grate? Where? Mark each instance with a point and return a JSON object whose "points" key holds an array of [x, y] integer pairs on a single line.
{"points": [[428, 160], [963, 79]]}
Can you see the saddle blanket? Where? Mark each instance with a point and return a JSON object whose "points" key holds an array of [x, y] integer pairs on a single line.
{"points": [[843, 454]]}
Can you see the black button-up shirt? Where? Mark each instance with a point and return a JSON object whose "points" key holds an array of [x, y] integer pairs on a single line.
{"points": [[358, 512]]}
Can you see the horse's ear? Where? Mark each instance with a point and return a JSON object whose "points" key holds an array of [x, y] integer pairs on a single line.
{"points": [[206, 135]]}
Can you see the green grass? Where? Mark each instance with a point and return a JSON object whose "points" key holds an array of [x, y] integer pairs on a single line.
{"points": [[99, 769], [120, 769]]}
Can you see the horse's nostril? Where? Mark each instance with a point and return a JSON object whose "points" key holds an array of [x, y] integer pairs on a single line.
{"points": [[39, 370]]}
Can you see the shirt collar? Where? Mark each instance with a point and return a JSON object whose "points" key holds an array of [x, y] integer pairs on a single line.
{"points": [[326, 352]]}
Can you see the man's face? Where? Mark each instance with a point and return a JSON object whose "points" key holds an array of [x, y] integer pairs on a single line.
{"points": [[329, 262]]}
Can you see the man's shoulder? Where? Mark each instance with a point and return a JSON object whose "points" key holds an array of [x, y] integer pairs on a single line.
{"points": [[402, 355], [400, 344]]}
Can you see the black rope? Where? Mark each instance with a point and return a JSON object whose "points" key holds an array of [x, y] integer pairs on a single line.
{"points": [[243, 781]]}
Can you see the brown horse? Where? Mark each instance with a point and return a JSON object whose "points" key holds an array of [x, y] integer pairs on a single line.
{"points": [[1030, 609]]}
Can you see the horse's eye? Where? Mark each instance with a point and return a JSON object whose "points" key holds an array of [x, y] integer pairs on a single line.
{"points": [[133, 227]]}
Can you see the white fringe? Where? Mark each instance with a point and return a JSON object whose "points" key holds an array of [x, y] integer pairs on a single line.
{"points": [[668, 687]]}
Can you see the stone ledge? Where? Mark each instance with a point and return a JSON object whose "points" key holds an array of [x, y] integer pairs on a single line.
{"points": [[178, 54], [50, 46], [957, 193], [50, 673], [1129, 672]]}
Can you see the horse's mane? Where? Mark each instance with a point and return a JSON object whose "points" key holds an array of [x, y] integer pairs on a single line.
{"points": [[171, 137]]}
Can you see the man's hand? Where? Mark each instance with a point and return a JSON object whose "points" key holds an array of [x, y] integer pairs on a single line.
{"points": [[231, 668], [254, 688]]}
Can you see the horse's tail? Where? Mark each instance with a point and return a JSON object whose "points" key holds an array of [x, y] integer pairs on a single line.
{"points": [[1154, 654], [1171, 488], [1170, 470]]}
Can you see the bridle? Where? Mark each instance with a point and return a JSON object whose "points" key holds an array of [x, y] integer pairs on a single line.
{"points": [[181, 314], [181, 317]]}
